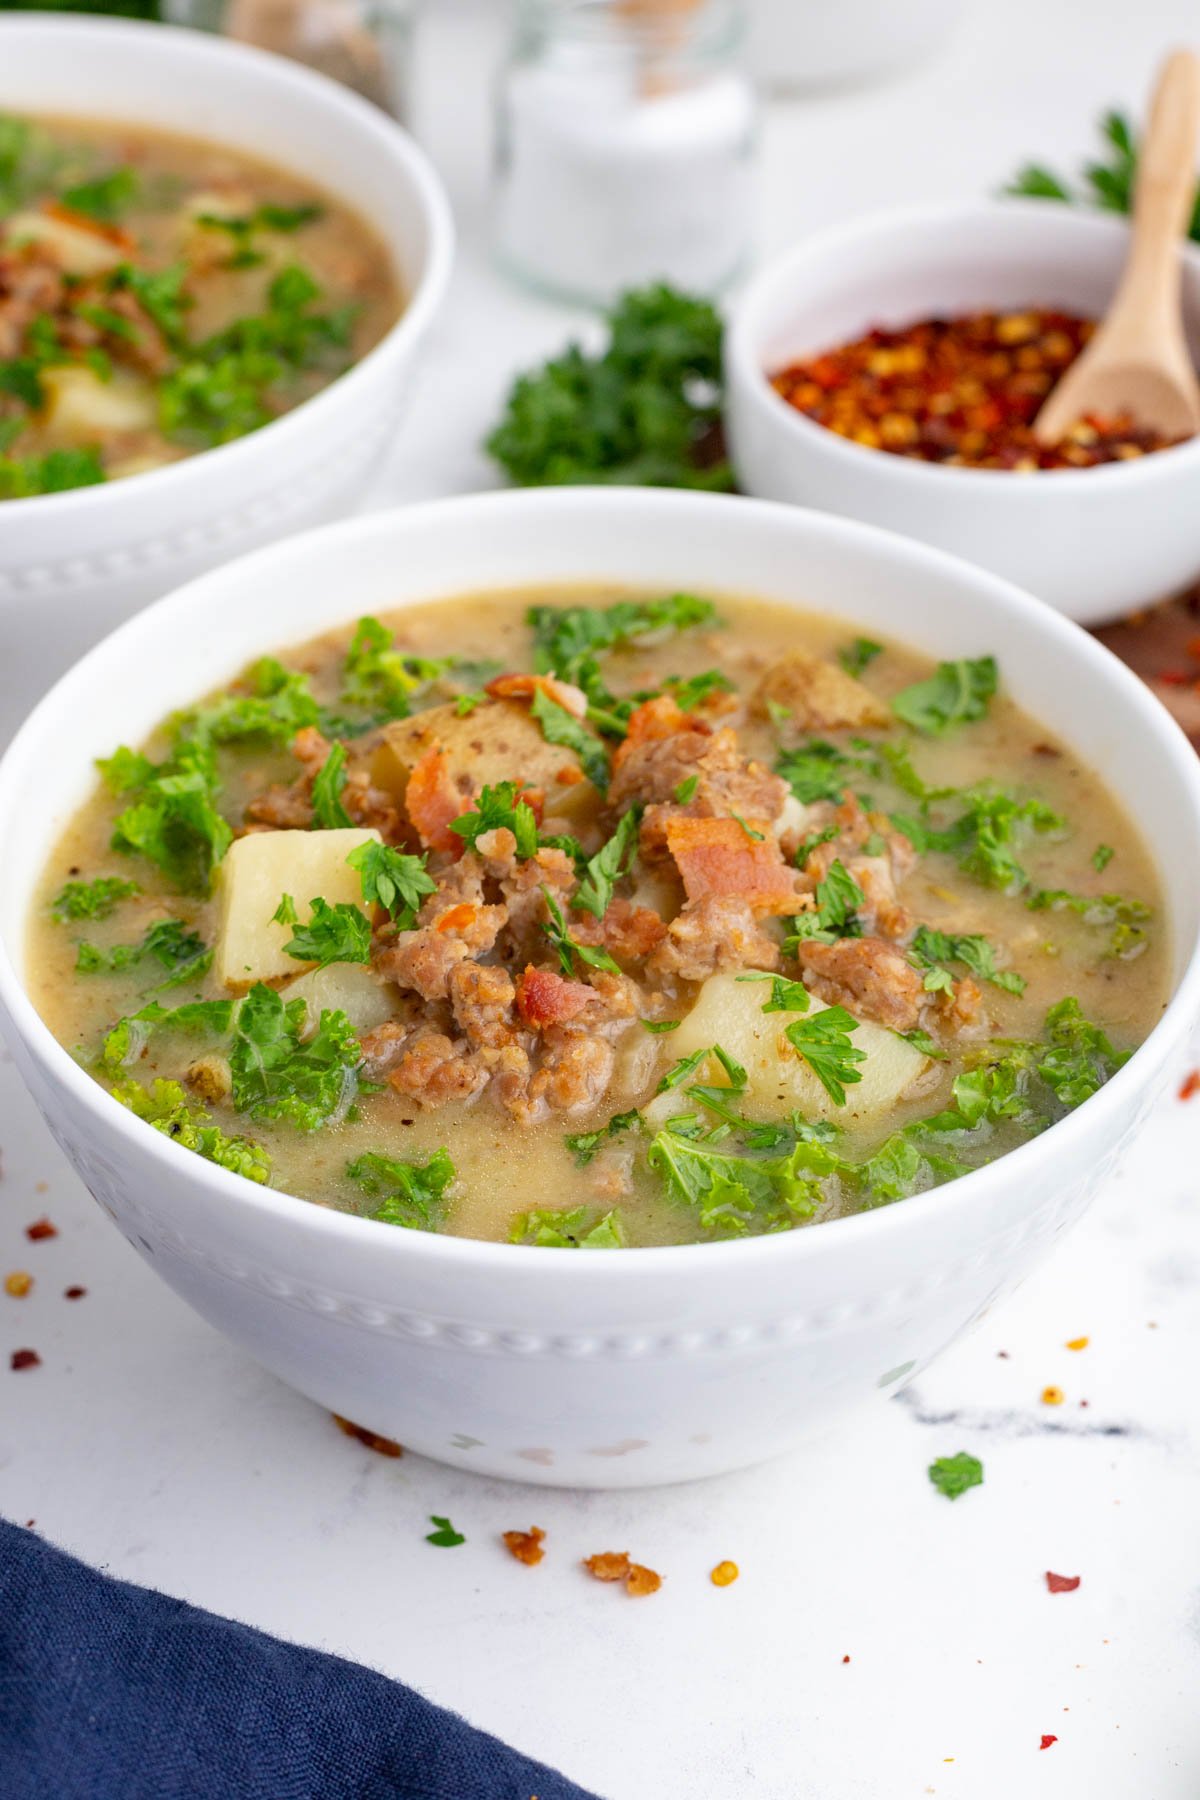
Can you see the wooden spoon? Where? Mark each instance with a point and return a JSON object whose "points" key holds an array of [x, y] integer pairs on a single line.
{"points": [[1138, 363]]}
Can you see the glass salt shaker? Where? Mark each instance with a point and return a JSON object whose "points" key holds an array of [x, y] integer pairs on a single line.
{"points": [[625, 141]]}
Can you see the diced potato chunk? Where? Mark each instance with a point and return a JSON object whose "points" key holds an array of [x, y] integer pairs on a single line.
{"points": [[257, 871], [729, 1012], [497, 742], [819, 695], [80, 251], [80, 407], [344, 987]]}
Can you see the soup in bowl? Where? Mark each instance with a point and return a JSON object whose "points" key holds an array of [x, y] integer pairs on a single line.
{"points": [[216, 270], [736, 916]]}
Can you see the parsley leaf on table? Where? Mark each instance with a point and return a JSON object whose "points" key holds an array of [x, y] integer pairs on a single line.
{"points": [[642, 413], [953, 1475]]}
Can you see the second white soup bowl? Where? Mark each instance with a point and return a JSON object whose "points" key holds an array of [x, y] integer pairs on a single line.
{"points": [[1092, 542], [603, 1368]]}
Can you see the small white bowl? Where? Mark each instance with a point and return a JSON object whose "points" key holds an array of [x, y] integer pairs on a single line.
{"points": [[591, 1368], [73, 565], [1092, 542]]}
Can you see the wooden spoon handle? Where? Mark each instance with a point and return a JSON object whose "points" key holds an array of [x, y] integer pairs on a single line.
{"points": [[1165, 189]]}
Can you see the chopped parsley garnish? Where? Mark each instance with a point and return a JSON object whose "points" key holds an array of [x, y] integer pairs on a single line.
{"points": [[931, 951], [562, 727], [813, 841], [96, 899], [838, 898], [164, 1106], [130, 1035], [279, 703], [23, 476], [817, 770], [106, 197], [584, 1145], [1102, 855], [565, 946], [755, 836], [855, 656], [567, 639], [983, 840], [445, 1536], [328, 812], [643, 413], [393, 879], [691, 692], [279, 1074], [732, 1193], [381, 679], [499, 806], [410, 1194], [1126, 916], [333, 934], [679, 1071], [953, 1475], [957, 693], [822, 1040], [575, 1228], [606, 868], [685, 791], [785, 996], [230, 384], [660, 1025], [172, 818], [176, 948]]}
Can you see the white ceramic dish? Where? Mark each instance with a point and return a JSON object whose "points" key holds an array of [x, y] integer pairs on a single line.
{"points": [[73, 565], [605, 1368], [1093, 542]]}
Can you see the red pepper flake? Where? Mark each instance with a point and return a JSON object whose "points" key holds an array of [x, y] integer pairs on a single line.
{"points": [[526, 1546], [74, 1293], [41, 1228], [1062, 1584], [845, 1659], [1048, 1738], [385, 1446], [25, 1359], [1190, 1085]]}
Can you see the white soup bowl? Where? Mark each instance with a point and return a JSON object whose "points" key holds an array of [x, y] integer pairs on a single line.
{"points": [[1092, 542], [75, 564], [602, 1368]]}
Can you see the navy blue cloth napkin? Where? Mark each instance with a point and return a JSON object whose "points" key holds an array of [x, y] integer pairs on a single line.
{"points": [[113, 1692]]}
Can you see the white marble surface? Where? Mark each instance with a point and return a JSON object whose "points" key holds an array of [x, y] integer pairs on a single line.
{"points": [[151, 1447]]}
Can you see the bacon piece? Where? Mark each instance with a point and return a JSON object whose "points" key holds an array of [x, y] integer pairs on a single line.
{"points": [[652, 721], [721, 856], [544, 998], [433, 802], [524, 687], [526, 1546]]}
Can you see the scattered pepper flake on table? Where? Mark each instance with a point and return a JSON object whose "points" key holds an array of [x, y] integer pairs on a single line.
{"points": [[18, 1283], [384, 1445], [74, 1293], [724, 1574], [526, 1546], [1048, 1738], [953, 1475], [445, 1536], [1079, 1343], [1052, 1396], [1062, 1584], [40, 1229], [25, 1359], [1190, 1085], [963, 391], [615, 1565]]}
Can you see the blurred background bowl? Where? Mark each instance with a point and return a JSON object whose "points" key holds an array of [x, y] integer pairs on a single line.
{"points": [[75, 564], [1095, 543]]}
